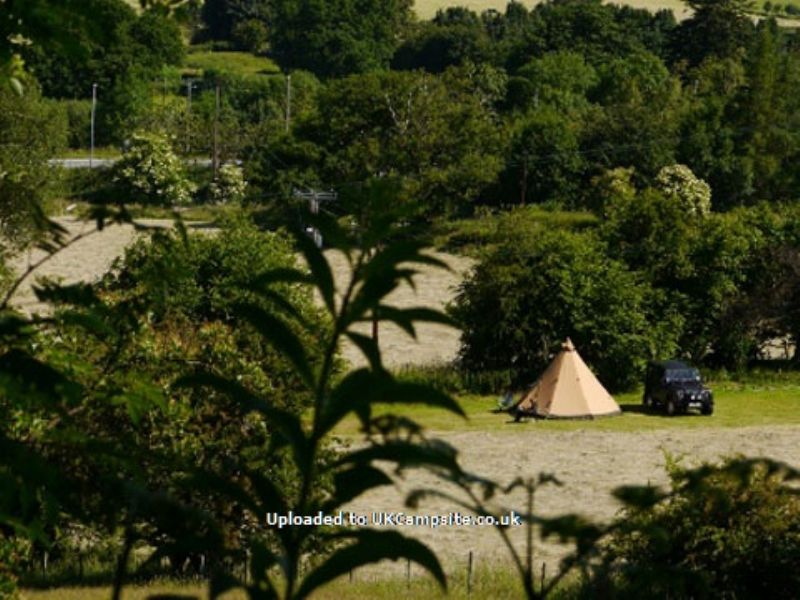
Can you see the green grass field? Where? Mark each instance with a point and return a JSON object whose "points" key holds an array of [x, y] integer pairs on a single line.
{"points": [[477, 235], [239, 63], [485, 583], [737, 405]]}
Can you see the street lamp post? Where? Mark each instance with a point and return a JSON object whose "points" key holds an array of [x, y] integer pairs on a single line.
{"points": [[94, 112]]}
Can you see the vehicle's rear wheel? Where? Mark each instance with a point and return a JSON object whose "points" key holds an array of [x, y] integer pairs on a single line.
{"points": [[672, 409], [707, 409]]}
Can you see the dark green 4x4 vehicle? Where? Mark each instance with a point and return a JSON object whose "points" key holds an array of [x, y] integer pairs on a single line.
{"points": [[675, 387]]}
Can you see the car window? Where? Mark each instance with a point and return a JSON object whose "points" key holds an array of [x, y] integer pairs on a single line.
{"points": [[683, 375]]}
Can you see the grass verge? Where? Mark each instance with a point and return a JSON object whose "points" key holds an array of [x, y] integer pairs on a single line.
{"points": [[237, 63], [737, 405], [479, 234]]}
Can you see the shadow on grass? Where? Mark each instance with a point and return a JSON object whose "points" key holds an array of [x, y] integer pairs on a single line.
{"points": [[640, 409]]}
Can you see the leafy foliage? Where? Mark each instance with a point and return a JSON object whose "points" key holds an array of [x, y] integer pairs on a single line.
{"points": [[533, 291], [338, 37], [150, 172], [32, 132], [694, 193], [229, 186], [728, 530], [412, 126]]}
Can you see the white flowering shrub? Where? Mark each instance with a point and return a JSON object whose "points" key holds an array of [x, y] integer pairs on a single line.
{"points": [[679, 181], [229, 186], [151, 172]]}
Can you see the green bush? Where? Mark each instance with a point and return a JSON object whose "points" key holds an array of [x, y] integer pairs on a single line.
{"points": [[32, 131], [151, 172], [229, 187], [79, 122], [8, 559], [525, 297], [250, 35], [734, 533]]}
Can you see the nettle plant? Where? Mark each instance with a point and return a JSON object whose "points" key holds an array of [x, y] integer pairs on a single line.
{"points": [[292, 562]]}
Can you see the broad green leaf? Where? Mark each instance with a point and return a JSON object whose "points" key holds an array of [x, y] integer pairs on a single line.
{"points": [[321, 274], [369, 348], [362, 388], [639, 496], [282, 275], [569, 528], [371, 547], [280, 301], [405, 454], [405, 318], [90, 322], [270, 497], [353, 482], [27, 375], [277, 333]]}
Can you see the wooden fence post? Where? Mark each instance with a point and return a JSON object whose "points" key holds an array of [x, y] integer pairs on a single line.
{"points": [[469, 574], [544, 572]]}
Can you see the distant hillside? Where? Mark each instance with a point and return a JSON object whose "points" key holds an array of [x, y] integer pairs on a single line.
{"points": [[426, 9]]}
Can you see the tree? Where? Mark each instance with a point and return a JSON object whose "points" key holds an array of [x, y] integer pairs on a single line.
{"points": [[533, 291], [639, 123], [545, 158], [150, 172], [157, 42], [34, 22], [709, 137], [454, 37], [769, 141], [229, 187], [222, 18], [337, 37], [417, 127], [129, 44], [703, 268], [717, 28], [33, 131], [694, 193], [559, 79]]}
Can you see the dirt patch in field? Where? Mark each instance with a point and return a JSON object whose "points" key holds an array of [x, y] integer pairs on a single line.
{"points": [[589, 464]]}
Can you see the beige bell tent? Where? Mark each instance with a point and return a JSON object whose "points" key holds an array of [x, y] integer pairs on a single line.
{"points": [[568, 390]]}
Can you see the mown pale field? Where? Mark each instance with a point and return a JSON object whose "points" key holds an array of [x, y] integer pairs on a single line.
{"points": [[427, 8]]}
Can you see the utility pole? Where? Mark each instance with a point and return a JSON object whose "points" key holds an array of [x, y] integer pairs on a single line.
{"points": [[288, 101], [94, 113], [315, 199], [523, 181], [215, 158], [189, 85]]}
